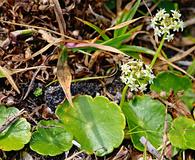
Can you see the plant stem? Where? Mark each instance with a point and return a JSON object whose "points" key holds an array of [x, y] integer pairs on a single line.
{"points": [[158, 51], [123, 96]]}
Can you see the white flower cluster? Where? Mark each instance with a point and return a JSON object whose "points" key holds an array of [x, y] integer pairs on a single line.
{"points": [[136, 75], [164, 23]]}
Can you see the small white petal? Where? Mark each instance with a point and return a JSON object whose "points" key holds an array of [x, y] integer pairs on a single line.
{"points": [[157, 32], [175, 14], [169, 37], [142, 87]]}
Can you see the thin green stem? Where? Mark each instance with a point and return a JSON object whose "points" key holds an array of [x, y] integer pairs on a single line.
{"points": [[145, 152], [123, 96], [158, 51]]}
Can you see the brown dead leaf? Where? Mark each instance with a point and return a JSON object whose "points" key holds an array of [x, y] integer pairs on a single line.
{"points": [[94, 58], [123, 154], [64, 74], [47, 36]]}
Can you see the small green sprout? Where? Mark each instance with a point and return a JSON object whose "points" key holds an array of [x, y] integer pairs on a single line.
{"points": [[38, 92]]}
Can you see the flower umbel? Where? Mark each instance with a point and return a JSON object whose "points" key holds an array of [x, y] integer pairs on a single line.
{"points": [[165, 23], [136, 75]]}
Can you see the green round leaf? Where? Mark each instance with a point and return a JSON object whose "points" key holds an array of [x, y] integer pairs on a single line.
{"points": [[166, 81], [182, 133], [189, 98], [189, 136], [51, 138], [96, 123], [17, 134], [145, 117]]}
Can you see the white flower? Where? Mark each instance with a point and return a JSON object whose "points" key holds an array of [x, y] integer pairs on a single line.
{"points": [[152, 76], [165, 16], [160, 14], [125, 68], [169, 37], [138, 76], [133, 87], [146, 73], [176, 26], [123, 79], [165, 30], [130, 79], [181, 24], [175, 14], [153, 22], [142, 87], [157, 32], [165, 23]]}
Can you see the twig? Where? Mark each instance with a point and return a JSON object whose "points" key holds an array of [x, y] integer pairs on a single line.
{"points": [[183, 55], [189, 22], [36, 27], [31, 83], [98, 17], [74, 155], [155, 5], [173, 48], [11, 120], [147, 8], [176, 67], [182, 110]]}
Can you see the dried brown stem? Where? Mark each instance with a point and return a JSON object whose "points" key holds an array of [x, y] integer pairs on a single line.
{"points": [[59, 16]]}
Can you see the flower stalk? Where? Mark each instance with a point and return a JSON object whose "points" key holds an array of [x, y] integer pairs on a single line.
{"points": [[165, 24], [158, 51]]}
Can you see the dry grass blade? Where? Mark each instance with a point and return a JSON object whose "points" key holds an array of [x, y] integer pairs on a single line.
{"points": [[31, 83], [64, 75], [74, 155], [45, 48], [7, 74], [176, 67], [59, 16], [126, 23], [183, 55], [14, 71], [99, 46], [36, 27]]}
